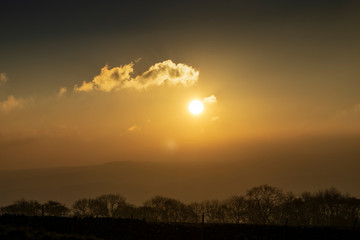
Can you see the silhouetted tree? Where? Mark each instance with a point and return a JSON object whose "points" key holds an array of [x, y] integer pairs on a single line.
{"points": [[262, 202], [163, 209], [236, 209], [333, 208], [52, 208], [260, 205], [215, 211], [107, 205], [98, 207], [293, 209], [116, 205], [81, 207], [351, 209], [330, 204], [197, 210], [23, 207]]}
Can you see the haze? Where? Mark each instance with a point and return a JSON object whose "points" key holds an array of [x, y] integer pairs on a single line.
{"points": [[92, 82]]}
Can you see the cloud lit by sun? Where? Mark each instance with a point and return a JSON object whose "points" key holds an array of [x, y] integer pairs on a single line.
{"points": [[211, 99], [165, 73]]}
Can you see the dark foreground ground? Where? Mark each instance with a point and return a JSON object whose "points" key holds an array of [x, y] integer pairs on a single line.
{"points": [[21, 227]]}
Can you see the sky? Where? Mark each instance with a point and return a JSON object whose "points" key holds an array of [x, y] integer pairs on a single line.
{"points": [[89, 82]]}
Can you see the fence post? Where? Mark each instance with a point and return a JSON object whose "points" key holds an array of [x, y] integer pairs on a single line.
{"points": [[354, 227], [285, 227], [202, 226]]}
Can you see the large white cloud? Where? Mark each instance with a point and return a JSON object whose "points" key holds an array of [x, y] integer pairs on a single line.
{"points": [[166, 73]]}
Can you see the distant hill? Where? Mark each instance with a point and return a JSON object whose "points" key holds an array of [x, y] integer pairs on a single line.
{"points": [[186, 181]]}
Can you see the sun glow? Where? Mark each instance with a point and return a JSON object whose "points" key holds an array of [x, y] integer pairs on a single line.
{"points": [[196, 107]]}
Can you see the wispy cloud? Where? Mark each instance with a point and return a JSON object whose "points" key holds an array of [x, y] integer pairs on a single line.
{"points": [[85, 87], [62, 91], [215, 118], [166, 73], [133, 128], [3, 78], [211, 99], [11, 103]]}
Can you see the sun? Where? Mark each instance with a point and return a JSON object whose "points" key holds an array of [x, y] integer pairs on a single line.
{"points": [[196, 107]]}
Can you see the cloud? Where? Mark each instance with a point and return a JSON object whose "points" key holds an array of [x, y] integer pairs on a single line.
{"points": [[133, 128], [11, 103], [113, 78], [85, 87], [62, 91], [215, 118], [166, 73], [3, 78], [211, 99]]}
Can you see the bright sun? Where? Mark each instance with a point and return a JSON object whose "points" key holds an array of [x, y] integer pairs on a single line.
{"points": [[196, 107]]}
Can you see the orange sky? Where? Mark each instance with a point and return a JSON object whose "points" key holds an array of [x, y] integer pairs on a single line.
{"points": [[74, 95]]}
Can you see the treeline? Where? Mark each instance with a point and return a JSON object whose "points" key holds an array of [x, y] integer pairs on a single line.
{"points": [[263, 204]]}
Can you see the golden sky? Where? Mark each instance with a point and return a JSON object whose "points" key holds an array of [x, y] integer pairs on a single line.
{"points": [[92, 88]]}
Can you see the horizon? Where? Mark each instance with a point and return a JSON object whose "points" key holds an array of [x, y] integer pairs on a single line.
{"points": [[139, 181]]}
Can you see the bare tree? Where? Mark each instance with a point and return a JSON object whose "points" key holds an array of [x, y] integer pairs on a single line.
{"points": [[197, 210], [115, 203], [215, 211], [81, 207], [163, 209], [260, 205], [351, 209], [335, 208], [262, 202], [98, 207], [236, 209]]}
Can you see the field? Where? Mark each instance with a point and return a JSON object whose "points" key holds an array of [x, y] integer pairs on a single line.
{"points": [[22, 227]]}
